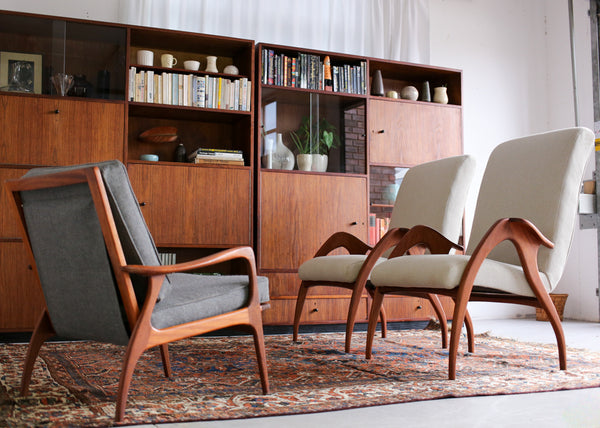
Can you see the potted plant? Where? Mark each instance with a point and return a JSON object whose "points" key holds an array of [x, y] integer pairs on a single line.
{"points": [[316, 145]]}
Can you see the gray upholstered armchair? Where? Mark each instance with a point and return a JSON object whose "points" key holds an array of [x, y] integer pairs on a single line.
{"points": [[101, 276], [521, 236]]}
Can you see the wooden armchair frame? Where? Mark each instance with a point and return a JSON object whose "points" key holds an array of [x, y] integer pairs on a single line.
{"points": [[143, 335], [527, 240]]}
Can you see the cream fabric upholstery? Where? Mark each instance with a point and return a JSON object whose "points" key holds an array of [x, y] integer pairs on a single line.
{"points": [[536, 178], [433, 194]]}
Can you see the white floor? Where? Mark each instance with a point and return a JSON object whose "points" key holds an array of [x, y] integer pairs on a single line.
{"points": [[576, 408]]}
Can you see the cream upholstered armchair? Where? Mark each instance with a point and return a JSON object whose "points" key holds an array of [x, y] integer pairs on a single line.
{"points": [[521, 235], [433, 193], [101, 276]]}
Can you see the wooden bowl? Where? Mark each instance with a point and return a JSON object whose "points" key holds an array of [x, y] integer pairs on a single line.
{"points": [[159, 134]]}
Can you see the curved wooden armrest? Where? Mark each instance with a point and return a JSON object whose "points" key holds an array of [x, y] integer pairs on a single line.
{"points": [[389, 240], [220, 257], [424, 236], [343, 240]]}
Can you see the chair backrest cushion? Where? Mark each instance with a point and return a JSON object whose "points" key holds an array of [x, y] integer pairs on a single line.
{"points": [[536, 178], [434, 194], [136, 240], [73, 265]]}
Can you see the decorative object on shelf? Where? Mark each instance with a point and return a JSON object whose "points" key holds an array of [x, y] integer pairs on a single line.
{"points": [[159, 134], [315, 139], [180, 153], [390, 193], [440, 95], [283, 158], [145, 57], [319, 162], [409, 93], [377, 84], [391, 94], [20, 72], [168, 60], [62, 82], [149, 157], [211, 64], [191, 65], [304, 161], [231, 69], [425, 92], [81, 87]]}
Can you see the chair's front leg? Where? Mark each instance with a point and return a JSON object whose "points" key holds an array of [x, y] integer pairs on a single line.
{"points": [[373, 316], [43, 331], [299, 307]]}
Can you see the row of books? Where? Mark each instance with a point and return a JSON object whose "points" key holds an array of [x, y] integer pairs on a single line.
{"points": [[378, 226], [308, 72], [190, 90], [217, 156]]}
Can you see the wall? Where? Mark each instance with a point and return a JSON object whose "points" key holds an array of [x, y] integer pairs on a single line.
{"points": [[515, 58]]}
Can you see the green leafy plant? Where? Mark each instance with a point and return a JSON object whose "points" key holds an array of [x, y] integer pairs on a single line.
{"points": [[321, 142]]}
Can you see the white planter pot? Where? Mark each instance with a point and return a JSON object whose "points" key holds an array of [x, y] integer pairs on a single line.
{"points": [[304, 162], [319, 162]]}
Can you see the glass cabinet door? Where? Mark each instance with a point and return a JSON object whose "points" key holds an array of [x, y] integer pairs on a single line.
{"points": [[34, 49]]}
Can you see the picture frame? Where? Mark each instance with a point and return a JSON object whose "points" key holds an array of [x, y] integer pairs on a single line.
{"points": [[21, 72]]}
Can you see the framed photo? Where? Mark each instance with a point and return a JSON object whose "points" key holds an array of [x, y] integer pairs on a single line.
{"points": [[21, 72]]}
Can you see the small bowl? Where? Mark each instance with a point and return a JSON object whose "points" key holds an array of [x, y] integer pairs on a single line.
{"points": [[152, 158]]}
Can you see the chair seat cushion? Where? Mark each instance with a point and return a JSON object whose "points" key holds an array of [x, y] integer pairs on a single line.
{"points": [[338, 268], [193, 297], [445, 271]]}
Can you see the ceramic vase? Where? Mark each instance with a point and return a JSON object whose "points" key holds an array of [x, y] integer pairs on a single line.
{"points": [[211, 64], [440, 95], [283, 158], [409, 93], [425, 92], [377, 84], [304, 162], [319, 162]]}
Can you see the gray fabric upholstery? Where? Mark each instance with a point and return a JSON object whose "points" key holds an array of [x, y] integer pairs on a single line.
{"points": [[138, 245], [195, 297], [73, 264]]}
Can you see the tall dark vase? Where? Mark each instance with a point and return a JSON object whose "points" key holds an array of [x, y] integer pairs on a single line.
{"points": [[377, 84]]}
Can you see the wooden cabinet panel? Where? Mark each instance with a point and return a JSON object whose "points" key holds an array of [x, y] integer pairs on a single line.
{"points": [[404, 133], [298, 212], [9, 224], [316, 311], [192, 205], [59, 131], [21, 299]]}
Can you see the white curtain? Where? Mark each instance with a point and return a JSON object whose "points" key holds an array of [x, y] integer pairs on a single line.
{"points": [[390, 29]]}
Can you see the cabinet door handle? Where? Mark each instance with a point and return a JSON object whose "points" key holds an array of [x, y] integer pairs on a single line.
{"points": [[56, 111], [381, 131], [315, 310], [142, 204], [354, 223]]}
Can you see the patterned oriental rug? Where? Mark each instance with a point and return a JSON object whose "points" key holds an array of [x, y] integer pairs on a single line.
{"points": [[75, 384]]}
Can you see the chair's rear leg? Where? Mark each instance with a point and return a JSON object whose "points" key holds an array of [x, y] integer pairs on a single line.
{"points": [[470, 332], [382, 315], [298, 312], [259, 346], [166, 361], [43, 331], [441, 315]]}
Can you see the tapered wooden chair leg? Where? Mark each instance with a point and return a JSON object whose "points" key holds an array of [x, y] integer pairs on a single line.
{"points": [[43, 331], [554, 320], [373, 316], [382, 315], [441, 315], [166, 361], [352, 310], [460, 309], [132, 355], [470, 332], [261, 357], [299, 307]]}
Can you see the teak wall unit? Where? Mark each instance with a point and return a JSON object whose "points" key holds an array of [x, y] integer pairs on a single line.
{"points": [[379, 137], [194, 209], [191, 209]]}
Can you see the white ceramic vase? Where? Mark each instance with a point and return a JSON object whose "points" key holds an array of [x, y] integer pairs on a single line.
{"points": [[283, 158], [211, 64], [440, 95]]}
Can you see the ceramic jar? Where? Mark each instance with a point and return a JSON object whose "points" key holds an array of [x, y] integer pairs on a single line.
{"points": [[440, 95]]}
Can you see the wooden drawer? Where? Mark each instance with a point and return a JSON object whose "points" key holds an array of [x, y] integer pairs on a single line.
{"points": [[316, 311]]}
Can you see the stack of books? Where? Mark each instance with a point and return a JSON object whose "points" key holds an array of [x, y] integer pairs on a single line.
{"points": [[378, 226], [306, 71], [217, 156], [189, 90]]}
